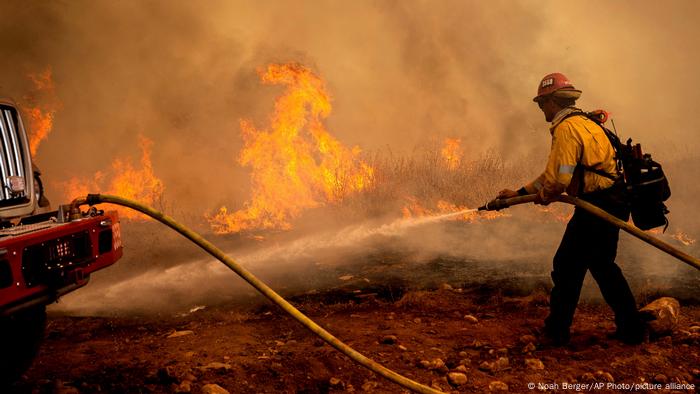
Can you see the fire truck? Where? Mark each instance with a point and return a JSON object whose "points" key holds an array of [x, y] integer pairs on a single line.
{"points": [[44, 253]]}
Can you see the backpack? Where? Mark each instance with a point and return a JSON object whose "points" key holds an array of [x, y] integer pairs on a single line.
{"points": [[644, 183]]}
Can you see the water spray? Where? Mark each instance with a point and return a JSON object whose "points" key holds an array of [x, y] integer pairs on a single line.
{"points": [[93, 199], [498, 204]]}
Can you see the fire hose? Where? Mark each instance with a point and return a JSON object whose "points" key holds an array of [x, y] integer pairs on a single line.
{"points": [[354, 355], [93, 199], [499, 204]]}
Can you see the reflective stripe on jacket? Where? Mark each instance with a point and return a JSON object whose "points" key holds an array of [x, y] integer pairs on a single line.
{"points": [[575, 140]]}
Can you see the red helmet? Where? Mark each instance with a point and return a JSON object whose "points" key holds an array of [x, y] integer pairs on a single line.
{"points": [[557, 84]]}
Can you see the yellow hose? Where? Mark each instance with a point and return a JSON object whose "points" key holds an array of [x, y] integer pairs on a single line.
{"points": [[657, 243], [368, 363]]}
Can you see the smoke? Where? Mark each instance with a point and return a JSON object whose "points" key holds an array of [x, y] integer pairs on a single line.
{"points": [[317, 261], [504, 252], [184, 73]]}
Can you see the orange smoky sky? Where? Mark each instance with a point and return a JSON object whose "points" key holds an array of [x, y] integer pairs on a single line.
{"points": [[183, 74]]}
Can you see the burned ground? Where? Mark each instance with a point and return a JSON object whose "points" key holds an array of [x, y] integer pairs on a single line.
{"points": [[378, 308]]}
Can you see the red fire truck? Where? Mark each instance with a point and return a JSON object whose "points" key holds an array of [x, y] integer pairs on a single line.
{"points": [[44, 254]]}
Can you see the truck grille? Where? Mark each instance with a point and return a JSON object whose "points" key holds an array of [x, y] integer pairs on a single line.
{"points": [[47, 262], [12, 158]]}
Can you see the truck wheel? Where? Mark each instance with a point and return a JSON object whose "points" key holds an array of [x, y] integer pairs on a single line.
{"points": [[20, 337]]}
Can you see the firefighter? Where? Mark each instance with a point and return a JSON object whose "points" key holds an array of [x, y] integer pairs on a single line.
{"points": [[581, 151]]}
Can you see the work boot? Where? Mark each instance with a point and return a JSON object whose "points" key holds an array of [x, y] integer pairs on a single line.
{"points": [[551, 338], [629, 337]]}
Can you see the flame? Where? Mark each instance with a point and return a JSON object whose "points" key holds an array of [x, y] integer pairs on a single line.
{"points": [[556, 212], [683, 238], [679, 236], [124, 180], [452, 152], [295, 164], [414, 209], [40, 116]]}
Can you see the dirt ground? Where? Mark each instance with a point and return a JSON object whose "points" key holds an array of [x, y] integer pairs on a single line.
{"points": [[482, 333]]}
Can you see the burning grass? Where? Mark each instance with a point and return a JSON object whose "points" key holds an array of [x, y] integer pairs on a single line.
{"points": [[124, 179], [425, 181], [296, 164], [40, 107]]}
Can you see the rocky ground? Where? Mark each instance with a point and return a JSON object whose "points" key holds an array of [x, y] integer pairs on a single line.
{"points": [[169, 322], [472, 341]]}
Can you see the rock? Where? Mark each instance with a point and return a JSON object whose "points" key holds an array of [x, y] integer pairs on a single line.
{"points": [[177, 334], [212, 388], [534, 363], [417, 320], [438, 365], [525, 339], [587, 378], [662, 315], [216, 366], [502, 363], [457, 378], [446, 286], [334, 382], [695, 372], [471, 319], [345, 277], [369, 386], [463, 354], [184, 387], [660, 378], [497, 385], [190, 377], [461, 368], [389, 339], [498, 365], [529, 348], [694, 329], [403, 348], [604, 376], [465, 362]]}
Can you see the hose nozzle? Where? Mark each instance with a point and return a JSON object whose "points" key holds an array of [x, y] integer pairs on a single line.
{"points": [[494, 205], [502, 203]]}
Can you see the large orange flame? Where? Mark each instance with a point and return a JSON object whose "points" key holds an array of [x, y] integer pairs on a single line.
{"points": [[452, 152], [124, 180], [40, 106], [295, 164]]}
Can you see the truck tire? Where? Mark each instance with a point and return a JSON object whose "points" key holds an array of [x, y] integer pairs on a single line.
{"points": [[20, 337]]}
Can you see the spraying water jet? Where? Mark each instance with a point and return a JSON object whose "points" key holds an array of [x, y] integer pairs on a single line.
{"points": [[498, 204]]}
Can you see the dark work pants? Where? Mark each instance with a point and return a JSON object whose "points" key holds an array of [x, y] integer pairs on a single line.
{"points": [[590, 243]]}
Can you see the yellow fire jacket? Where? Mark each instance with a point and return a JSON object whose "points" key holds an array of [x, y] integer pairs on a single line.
{"points": [[575, 140]]}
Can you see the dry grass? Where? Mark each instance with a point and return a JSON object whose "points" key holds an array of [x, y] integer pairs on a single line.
{"points": [[424, 177]]}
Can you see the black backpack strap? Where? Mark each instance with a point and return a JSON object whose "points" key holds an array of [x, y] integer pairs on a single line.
{"points": [[614, 141], [599, 172]]}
